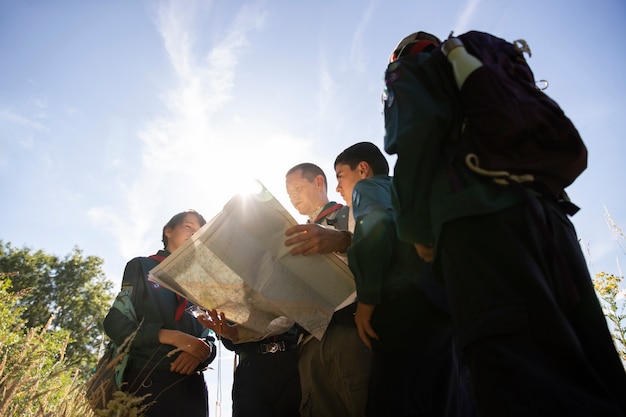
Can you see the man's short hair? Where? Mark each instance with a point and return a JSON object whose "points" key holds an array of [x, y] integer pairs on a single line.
{"points": [[367, 152], [309, 171]]}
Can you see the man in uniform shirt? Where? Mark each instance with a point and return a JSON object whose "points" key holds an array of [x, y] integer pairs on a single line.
{"points": [[334, 371]]}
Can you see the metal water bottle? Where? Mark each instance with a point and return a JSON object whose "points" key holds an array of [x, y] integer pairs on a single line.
{"points": [[463, 63]]}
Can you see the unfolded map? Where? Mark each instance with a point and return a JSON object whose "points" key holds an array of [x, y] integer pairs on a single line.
{"points": [[238, 264]]}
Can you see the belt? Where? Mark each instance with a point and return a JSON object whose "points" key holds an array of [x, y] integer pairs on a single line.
{"points": [[272, 347], [265, 348]]}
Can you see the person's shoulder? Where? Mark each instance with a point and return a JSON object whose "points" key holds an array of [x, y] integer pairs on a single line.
{"points": [[380, 181], [156, 258], [375, 189], [342, 211], [338, 219], [371, 194], [136, 260]]}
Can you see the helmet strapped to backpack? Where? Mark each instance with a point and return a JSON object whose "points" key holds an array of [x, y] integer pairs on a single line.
{"points": [[413, 44]]}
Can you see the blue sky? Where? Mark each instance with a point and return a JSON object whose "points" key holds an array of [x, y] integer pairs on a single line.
{"points": [[115, 115]]}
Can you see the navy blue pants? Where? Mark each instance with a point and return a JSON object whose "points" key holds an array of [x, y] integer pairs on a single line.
{"points": [[174, 395], [267, 385], [529, 324]]}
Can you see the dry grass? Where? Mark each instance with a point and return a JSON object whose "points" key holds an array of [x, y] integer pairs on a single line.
{"points": [[35, 378], [102, 392]]}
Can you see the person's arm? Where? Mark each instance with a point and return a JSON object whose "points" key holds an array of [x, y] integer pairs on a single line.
{"points": [[426, 252], [309, 239], [368, 259], [237, 334], [187, 343], [218, 323], [371, 253], [421, 116], [194, 350], [117, 325], [363, 320]]}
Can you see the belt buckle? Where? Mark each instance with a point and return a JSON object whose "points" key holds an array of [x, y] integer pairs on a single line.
{"points": [[272, 347]]}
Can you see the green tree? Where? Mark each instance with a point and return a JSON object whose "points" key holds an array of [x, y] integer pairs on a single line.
{"points": [[73, 290], [35, 377]]}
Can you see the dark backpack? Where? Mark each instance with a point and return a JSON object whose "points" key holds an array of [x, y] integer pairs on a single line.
{"points": [[512, 130]]}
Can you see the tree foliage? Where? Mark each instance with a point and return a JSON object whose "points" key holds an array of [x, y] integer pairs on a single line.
{"points": [[34, 379], [73, 290]]}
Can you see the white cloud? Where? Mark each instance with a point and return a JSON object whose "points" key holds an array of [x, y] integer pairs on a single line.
{"points": [[139, 224], [327, 86], [12, 117], [42, 103], [186, 162], [104, 217], [27, 142], [467, 15], [71, 111], [357, 56]]}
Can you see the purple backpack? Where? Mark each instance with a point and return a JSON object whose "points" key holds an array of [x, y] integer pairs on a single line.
{"points": [[510, 125]]}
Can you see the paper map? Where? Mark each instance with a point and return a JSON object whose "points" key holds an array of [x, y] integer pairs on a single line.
{"points": [[237, 263]]}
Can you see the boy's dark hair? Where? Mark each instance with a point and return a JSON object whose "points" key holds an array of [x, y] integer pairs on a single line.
{"points": [[367, 152], [178, 219], [309, 171]]}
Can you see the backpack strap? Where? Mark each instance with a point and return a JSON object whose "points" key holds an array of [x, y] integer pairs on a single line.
{"points": [[330, 208], [339, 219], [158, 258]]}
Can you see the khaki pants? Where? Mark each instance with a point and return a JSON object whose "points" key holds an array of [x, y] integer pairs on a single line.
{"points": [[334, 373]]}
